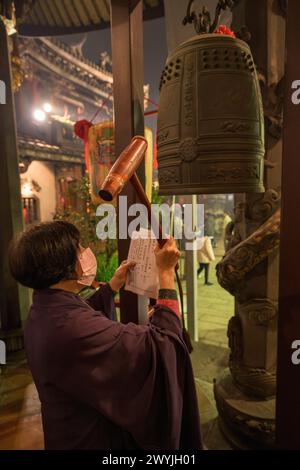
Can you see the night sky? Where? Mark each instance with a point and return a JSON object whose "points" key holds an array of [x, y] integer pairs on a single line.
{"points": [[155, 53]]}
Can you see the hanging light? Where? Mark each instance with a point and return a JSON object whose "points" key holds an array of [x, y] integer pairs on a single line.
{"points": [[39, 115], [47, 107], [27, 189]]}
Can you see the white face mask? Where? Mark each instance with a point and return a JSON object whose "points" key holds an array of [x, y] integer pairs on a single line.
{"points": [[88, 265]]}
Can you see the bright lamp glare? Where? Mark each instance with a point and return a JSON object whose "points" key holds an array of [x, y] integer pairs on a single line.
{"points": [[26, 190], [47, 107], [39, 115]]}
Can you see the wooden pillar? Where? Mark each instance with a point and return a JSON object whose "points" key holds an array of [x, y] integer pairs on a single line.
{"points": [[128, 80], [14, 300], [288, 376]]}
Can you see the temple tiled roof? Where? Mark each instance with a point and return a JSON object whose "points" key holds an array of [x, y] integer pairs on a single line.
{"points": [[36, 149], [59, 58]]}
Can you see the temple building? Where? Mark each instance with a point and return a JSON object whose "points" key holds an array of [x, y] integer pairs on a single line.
{"points": [[61, 88]]}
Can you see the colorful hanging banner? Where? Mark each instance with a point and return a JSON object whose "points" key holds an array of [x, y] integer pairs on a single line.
{"points": [[101, 156]]}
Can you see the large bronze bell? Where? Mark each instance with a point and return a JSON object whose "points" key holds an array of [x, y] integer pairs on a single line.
{"points": [[210, 123]]}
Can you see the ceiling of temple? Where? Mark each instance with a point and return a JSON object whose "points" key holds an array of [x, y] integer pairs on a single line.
{"points": [[56, 17]]}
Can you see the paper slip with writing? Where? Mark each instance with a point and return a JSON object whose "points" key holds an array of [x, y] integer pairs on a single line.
{"points": [[143, 278]]}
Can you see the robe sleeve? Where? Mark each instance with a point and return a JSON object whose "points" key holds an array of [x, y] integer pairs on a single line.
{"points": [[103, 300], [134, 375]]}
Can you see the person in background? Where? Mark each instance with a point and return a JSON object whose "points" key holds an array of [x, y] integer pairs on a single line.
{"points": [[205, 255], [226, 221], [103, 384], [209, 227]]}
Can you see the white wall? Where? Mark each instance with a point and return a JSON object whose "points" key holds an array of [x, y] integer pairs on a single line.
{"points": [[44, 175]]}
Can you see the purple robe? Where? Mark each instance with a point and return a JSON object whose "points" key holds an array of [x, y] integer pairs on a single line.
{"points": [[107, 385]]}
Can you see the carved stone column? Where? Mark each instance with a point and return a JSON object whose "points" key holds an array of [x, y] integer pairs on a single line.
{"points": [[245, 394]]}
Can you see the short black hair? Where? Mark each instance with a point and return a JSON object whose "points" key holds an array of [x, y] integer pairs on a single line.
{"points": [[44, 254]]}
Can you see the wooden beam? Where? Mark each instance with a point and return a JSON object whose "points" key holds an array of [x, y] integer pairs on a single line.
{"points": [[14, 299], [128, 79], [288, 377]]}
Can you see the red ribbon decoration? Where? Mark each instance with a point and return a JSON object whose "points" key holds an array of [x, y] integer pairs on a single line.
{"points": [[222, 29], [81, 129]]}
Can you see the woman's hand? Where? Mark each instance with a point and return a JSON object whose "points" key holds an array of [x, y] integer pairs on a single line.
{"points": [[119, 278], [166, 260]]}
